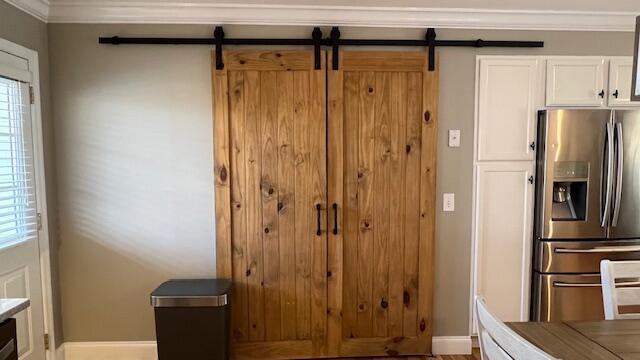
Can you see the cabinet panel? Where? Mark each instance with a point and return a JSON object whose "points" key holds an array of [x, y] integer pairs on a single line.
{"points": [[620, 74], [506, 109], [504, 196], [575, 82]]}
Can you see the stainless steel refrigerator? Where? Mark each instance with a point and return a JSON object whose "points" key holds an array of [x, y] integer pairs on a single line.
{"points": [[587, 207]]}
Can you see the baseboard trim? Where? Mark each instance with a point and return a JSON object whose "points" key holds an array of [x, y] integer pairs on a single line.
{"points": [[146, 350], [451, 345], [116, 350]]}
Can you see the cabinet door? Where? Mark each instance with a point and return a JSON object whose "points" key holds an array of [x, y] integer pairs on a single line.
{"points": [[382, 154], [503, 232], [506, 109], [575, 82], [620, 74], [270, 195]]}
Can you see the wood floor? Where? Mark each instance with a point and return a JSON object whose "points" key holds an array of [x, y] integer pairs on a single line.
{"points": [[474, 356]]}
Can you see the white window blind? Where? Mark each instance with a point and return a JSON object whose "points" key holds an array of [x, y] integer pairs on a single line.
{"points": [[18, 214]]}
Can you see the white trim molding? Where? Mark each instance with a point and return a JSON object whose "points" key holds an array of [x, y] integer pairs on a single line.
{"points": [[118, 350], [146, 350], [36, 8], [451, 345], [160, 12]]}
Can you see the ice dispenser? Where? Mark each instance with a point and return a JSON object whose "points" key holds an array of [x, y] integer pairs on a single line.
{"points": [[570, 189]]}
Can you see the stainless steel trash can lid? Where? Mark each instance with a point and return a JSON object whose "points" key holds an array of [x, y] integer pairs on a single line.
{"points": [[192, 293]]}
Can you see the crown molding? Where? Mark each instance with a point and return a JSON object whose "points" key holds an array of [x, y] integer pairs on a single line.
{"points": [[149, 12], [36, 8]]}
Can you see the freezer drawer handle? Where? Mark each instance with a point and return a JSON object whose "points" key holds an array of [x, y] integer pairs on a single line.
{"points": [[575, 285], [7, 350], [610, 249]]}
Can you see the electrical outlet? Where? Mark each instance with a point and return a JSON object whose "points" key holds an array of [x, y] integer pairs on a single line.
{"points": [[448, 202], [454, 138]]}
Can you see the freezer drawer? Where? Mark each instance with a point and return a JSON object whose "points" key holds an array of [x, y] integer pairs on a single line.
{"points": [[568, 297], [582, 256]]}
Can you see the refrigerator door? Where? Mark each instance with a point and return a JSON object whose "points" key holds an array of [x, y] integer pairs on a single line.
{"points": [[576, 155], [625, 219]]}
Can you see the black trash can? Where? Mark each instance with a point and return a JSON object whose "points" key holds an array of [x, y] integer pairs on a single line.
{"points": [[193, 319]]}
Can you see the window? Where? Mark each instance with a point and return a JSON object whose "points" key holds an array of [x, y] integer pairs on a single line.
{"points": [[18, 214]]}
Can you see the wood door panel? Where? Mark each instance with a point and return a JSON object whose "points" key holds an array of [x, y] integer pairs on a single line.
{"points": [[366, 290], [270, 153], [382, 138]]}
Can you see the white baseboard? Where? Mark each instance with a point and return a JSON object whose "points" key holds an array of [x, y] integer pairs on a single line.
{"points": [[146, 350], [60, 353], [451, 345], [120, 350]]}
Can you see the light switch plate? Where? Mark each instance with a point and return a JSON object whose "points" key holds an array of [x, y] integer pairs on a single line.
{"points": [[448, 202], [454, 138]]}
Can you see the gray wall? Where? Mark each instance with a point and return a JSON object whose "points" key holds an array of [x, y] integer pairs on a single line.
{"points": [[133, 135], [23, 29]]}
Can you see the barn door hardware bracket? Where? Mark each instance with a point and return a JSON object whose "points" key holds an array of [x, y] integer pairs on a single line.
{"points": [[317, 41], [316, 35], [218, 36], [431, 43], [335, 54]]}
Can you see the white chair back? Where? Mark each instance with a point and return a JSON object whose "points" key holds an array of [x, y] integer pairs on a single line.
{"points": [[620, 287], [499, 342], [490, 349]]}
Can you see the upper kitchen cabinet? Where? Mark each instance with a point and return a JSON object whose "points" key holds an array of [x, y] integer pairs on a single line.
{"points": [[620, 74], [576, 82], [507, 99]]}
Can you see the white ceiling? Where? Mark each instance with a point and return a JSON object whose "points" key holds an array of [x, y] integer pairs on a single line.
{"points": [[597, 15]]}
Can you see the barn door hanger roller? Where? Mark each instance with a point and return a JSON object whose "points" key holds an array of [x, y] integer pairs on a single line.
{"points": [[317, 41]]}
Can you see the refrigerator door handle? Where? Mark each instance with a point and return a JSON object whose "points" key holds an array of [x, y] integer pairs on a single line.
{"points": [[619, 169], [606, 211], [575, 285], [607, 249]]}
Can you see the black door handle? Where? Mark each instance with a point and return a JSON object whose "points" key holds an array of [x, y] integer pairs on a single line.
{"points": [[601, 94], [335, 218], [616, 94], [319, 208]]}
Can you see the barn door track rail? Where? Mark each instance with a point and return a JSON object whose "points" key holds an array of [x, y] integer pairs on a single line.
{"points": [[317, 41]]}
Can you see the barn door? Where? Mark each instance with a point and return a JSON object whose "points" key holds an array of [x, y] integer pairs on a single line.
{"points": [[270, 172], [382, 157]]}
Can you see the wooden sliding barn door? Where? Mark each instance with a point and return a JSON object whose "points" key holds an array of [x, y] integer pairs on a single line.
{"points": [[382, 167], [270, 188]]}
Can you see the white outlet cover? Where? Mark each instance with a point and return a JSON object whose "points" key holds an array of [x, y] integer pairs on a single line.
{"points": [[454, 138], [448, 202]]}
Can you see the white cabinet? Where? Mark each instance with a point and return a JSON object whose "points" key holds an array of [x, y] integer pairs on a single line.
{"points": [[620, 74], [503, 228], [507, 91], [576, 81]]}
